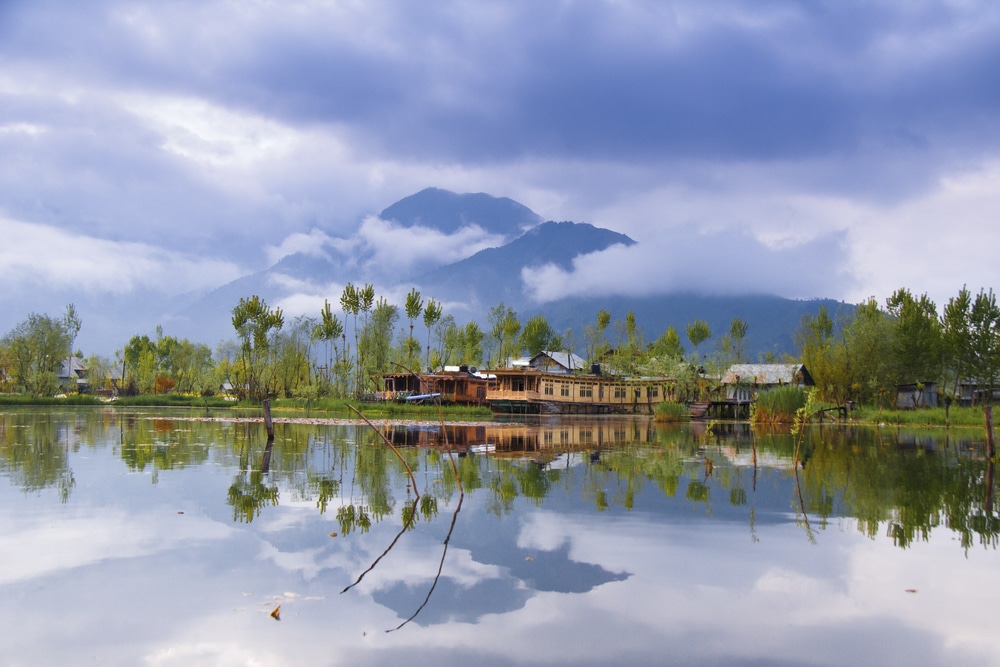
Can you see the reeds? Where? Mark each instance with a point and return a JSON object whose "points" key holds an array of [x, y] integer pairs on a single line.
{"points": [[669, 412], [779, 405]]}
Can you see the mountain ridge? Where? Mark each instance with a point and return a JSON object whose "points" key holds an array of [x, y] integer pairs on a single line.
{"points": [[470, 286]]}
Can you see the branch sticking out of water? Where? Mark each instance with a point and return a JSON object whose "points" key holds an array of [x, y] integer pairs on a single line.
{"points": [[395, 451]]}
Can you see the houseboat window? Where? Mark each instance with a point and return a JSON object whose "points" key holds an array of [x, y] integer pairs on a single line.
{"points": [[548, 389], [564, 389], [586, 392], [517, 384], [652, 392], [586, 436], [547, 437], [619, 392], [563, 437]]}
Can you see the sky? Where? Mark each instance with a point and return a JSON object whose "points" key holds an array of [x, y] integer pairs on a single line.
{"points": [[831, 149]]}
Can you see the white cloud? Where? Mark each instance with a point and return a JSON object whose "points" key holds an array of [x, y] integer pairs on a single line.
{"points": [[727, 262], [399, 250], [34, 254]]}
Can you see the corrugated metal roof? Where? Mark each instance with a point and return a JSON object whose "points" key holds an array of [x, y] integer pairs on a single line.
{"points": [[764, 374], [567, 360]]}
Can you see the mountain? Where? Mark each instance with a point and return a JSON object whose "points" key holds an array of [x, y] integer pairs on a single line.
{"points": [[448, 212], [772, 320], [494, 274], [470, 282]]}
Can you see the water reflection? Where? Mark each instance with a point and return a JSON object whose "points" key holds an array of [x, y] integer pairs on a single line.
{"points": [[906, 484], [497, 521]]}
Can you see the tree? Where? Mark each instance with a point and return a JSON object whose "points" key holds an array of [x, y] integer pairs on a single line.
{"points": [[504, 327], [350, 303], [472, 343], [376, 338], [414, 306], [984, 327], [815, 341], [293, 358], [35, 348], [698, 332], [737, 332], [867, 353], [432, 313], [668, 345], [329, 329], [255, 324], [630, 345], [72, 324], [539, 336], [957, 335], [916, 339], [141, 363]]}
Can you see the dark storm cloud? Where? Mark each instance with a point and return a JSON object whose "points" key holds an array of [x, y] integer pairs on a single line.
{"points": [[224, 131]]}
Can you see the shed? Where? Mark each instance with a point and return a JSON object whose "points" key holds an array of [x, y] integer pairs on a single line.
{"points": [[917, 395]]}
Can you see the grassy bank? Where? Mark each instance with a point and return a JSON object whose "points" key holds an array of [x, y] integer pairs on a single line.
{"points": [[956, 416], [76, 399], [327, 406]]}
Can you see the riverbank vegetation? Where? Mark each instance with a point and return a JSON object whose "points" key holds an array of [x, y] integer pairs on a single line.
{"points": [[858, 356]]}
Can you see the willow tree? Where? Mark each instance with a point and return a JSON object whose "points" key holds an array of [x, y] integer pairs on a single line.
{"points": [[414, 306], [35, 349], [329, 329], [432, 313], [698, 332], [256, 325]]}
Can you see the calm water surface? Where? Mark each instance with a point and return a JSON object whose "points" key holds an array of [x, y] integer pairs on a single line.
{"points": [[131, 538]]}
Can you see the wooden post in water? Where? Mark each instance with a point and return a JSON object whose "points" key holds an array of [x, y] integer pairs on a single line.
{"points": [[268, 422], [991, 449], [265, 460]]}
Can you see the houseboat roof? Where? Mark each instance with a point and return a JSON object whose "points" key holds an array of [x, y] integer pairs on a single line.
{"points": [[566, 361], [768, 374]]}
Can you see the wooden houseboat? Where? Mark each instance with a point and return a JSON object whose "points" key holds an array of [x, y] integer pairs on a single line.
{"points": [[454, 384], [533, 391]]}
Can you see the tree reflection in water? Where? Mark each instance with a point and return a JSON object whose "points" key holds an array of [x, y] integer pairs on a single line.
{"points": [[905, 484]]}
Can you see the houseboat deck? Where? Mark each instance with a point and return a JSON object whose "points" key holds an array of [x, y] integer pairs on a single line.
{"points": [[532, 391]]}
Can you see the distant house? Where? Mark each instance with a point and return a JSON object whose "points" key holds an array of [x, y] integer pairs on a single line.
{"points": [[73, 373], [557, 362], [974, 393], [917, 395], [742, 382]]}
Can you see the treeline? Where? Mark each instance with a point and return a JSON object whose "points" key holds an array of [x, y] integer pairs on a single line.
{"points": [[866, 355], [860, 354]]}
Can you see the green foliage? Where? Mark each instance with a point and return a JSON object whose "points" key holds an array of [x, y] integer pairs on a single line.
{"points": [[539, 336], [780, 405], [256, 326], [504, 327], [698, 332], [432, 314], [669, 412], [34, 351], [917, 341]]}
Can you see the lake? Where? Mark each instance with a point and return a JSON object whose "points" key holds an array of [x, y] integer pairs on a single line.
{"points": [[176, 537]]}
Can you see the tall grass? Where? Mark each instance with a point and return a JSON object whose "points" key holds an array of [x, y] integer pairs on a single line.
{"points": [[669, 412], [778, 406]]}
